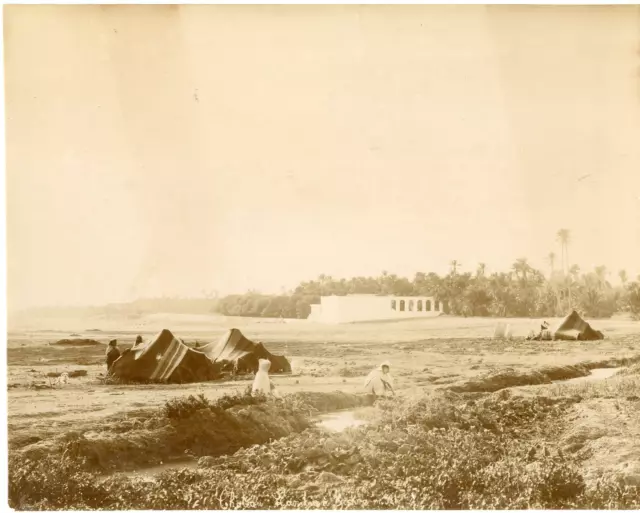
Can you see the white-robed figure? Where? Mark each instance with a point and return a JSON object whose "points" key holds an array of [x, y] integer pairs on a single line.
{"points": [[262, 383], [379, 381]]}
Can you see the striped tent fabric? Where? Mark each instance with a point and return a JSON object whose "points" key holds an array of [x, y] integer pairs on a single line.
{"points": [[235, 351], [167, 359]]}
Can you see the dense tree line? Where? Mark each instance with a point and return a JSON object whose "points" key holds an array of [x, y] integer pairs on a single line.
{"points": [[520, 292]]}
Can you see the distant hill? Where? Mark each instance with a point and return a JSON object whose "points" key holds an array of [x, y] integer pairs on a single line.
{"points": [[132, 309]]}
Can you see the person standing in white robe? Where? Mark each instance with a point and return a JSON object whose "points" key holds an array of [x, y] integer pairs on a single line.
{"points": [[379, 381], [261, 383]]}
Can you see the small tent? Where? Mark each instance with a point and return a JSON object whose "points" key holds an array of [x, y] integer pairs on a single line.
{"points": [[234, 351], [573, 327]]}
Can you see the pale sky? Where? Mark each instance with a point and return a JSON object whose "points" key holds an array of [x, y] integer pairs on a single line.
{"points": [[169, 150]]}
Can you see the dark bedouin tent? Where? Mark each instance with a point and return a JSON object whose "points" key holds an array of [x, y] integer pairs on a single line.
{"points": [[168, 359], [236, 352], [573, 327]]}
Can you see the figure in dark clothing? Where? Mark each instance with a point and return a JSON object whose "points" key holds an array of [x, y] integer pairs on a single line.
{"points": [[138, 341], [113, 353]]}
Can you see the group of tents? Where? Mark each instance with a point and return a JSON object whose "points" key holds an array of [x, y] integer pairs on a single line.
{"points": [[168, 359]]}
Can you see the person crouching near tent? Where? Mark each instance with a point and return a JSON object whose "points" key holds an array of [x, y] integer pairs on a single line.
{"points": [[261, 383], [113, 353], [379, 381]]}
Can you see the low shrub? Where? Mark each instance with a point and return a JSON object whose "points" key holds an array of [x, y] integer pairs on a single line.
{"points": [[443, 451], [52, 483], [184, 407], [192, 425], [608, 492], [239, 399]]}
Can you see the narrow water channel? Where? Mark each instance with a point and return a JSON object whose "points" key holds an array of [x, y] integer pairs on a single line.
{"points": [[339, 421], [594, 375], [148, 473]]}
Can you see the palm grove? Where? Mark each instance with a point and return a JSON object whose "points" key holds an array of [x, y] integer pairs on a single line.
{"points": [[522, 291]]}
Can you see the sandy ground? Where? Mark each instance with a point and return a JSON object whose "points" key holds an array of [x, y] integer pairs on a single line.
{"points": [[610, 432], [423, 354], [604, 426]]}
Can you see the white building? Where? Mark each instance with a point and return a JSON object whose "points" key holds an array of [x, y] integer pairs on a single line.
{"points": [[368, 307]]}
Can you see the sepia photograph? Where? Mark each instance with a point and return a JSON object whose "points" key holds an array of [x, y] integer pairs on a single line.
{"points": [[322, 257]]}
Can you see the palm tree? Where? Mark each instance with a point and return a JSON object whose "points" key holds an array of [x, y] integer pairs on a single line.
{"points": [[574, 271], [321, 280], [601, 273], [482, 267], [564, 236], [454, 266], [324, 280], [522, 267], [590, 301], [624, 277], [552, 260], [382, 280]]}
